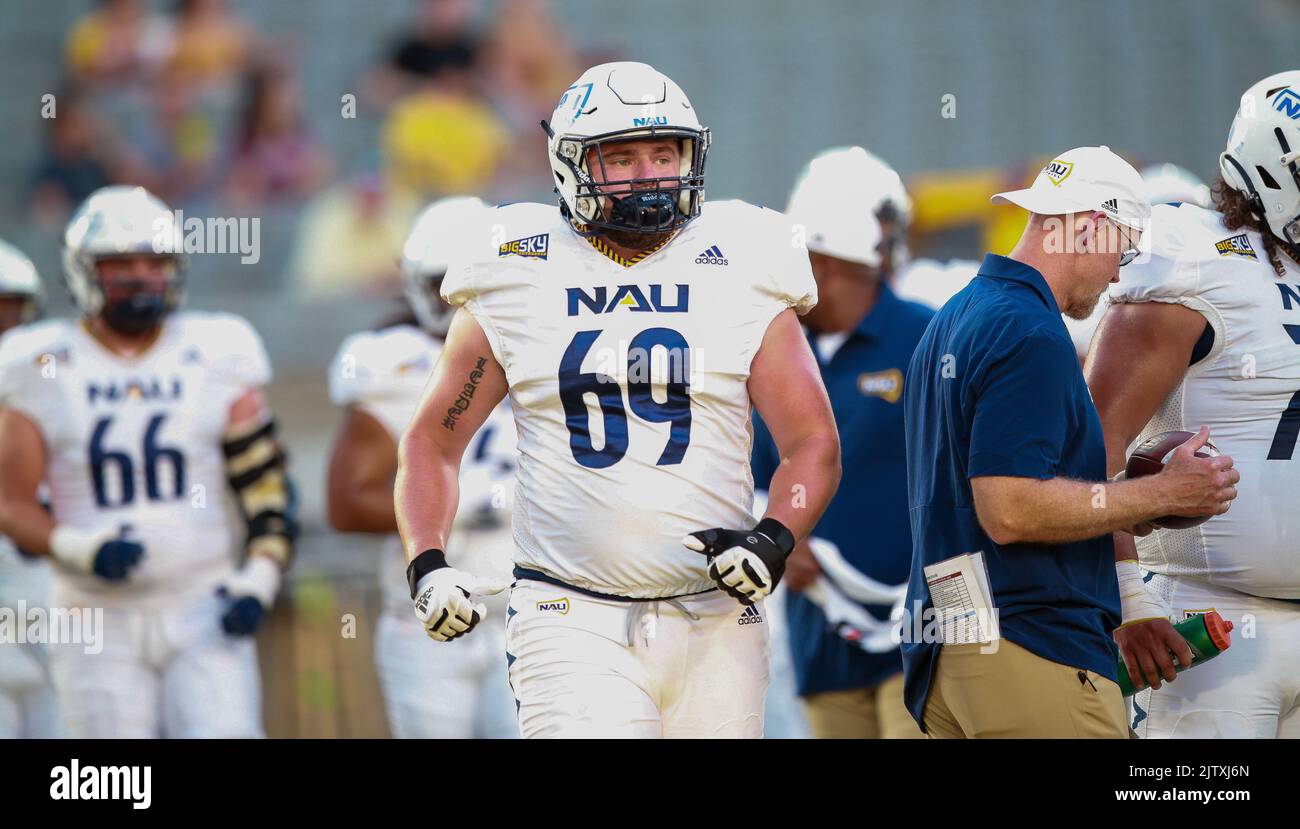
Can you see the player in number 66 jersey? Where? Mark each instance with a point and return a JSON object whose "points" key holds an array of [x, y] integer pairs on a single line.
{"points": [[634, 329], [138, 417]]}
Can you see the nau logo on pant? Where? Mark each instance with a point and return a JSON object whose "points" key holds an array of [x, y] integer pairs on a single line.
{"points": [[530, 247], [751, 616], [560, 606], [631, 297], [887, 384]]}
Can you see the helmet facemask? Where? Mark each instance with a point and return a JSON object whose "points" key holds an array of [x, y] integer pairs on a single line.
{"points": [[135, 306], [633, 211]]}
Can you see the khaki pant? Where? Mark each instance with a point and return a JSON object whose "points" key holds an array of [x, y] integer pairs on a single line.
{"points": [[874, 713], [1013, 693]]}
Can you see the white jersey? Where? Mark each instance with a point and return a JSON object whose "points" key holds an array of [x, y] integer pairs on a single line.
{"points": [[629, 384], [1247, 390], [383, 373], [136, 443]]}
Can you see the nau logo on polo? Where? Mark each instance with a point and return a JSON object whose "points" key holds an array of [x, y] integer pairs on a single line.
{"points": [[1238, 245], [560, 606], [1287, 102], [886, 384], [632, 297], [1058, 171], [530, 247]]}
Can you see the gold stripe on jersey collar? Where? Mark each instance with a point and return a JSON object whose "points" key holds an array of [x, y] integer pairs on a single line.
{"points": [[604, 248]]}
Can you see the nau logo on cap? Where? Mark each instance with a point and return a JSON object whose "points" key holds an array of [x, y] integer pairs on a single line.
{"points": [[1287, 102], [1058, 171], [886, 384], [1238, 245], [531, 247], [560, 606]]}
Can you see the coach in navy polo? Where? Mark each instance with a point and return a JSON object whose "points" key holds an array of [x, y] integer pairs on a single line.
{"points": [[848, 671], [1004, 451]]}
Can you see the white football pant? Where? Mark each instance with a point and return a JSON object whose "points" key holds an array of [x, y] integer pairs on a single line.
{"points": [[584, 667], [445, 690], [1251, 691], [170, 673]]}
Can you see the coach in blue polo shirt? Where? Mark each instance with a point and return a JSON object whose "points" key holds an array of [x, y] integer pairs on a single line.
{"points": [[1006, 458], [843, 582]]}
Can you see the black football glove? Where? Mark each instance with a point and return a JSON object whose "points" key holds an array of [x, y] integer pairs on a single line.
{"points": [[746, 564]]}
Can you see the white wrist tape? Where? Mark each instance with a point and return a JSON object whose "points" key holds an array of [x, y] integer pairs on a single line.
{"points": [[77, 548], [1137, 604], [259, 578]]}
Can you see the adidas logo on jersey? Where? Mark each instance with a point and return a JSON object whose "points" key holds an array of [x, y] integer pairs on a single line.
{"points": [[712, 256], [751, 616], [1238, 245]]}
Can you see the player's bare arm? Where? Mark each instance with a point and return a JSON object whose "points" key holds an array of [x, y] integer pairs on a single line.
{"points": [[466, 385], [362, 472], [22, 517], [1137, 358], [102, 550], [786, 388]]}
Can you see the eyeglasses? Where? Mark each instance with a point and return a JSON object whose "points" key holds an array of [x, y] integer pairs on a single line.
{"points": [[1130, 251]]}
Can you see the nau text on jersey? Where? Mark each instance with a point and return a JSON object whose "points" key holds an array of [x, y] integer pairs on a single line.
{"points": [[154, 388], [530, 247], [631, 297]]}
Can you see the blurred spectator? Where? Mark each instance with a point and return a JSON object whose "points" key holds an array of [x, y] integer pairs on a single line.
{"points": [[118, 43], [528, 74], [177, 147], [275, 156], [79, 157], [351, 238], [444, 139], [210, 45], [440, 37]]}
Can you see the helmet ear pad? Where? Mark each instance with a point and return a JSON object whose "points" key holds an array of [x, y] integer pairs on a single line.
{"points": [[1236, 177]]}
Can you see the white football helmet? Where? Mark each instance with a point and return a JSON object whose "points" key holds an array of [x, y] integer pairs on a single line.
{"points": [[18, 278], [826, 201], [1170, 183], [115, 221], [428, 251], [620, 102], [1263, 149], [874, 184]]}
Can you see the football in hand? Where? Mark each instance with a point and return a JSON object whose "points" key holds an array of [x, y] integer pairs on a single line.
{"points": [[1151, 455]]}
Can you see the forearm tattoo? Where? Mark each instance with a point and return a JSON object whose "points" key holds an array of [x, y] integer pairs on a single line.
{"points": [[466, 395]]}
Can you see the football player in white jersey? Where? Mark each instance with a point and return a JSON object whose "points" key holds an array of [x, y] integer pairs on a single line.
{"points": [[633, 330], [138, 416], [28, 707], [378, 376], [1206, 332]]}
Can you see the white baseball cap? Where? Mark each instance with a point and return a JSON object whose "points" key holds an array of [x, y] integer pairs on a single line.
{"points": [[828, 200], [1083, 180]]}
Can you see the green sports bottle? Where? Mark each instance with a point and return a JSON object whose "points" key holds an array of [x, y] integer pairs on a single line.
{"points": [[1207, 634]]}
